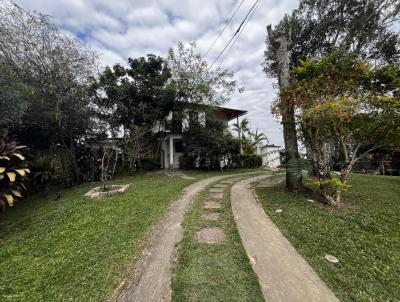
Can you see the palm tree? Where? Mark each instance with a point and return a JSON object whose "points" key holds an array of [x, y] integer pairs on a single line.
{"points": [[242, 128], [257, 137]]}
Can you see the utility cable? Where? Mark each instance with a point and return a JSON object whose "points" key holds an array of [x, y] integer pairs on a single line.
{"points": [[237, 31], [223, 30]]}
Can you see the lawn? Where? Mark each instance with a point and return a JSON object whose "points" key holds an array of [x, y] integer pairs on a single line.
{"points": [[75, 249], [364, 236], [206, 272]]}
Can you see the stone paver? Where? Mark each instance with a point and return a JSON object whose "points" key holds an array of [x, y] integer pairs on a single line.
{"points": [[216, 195], [216, 190], [211, 204], [210, 235], [283, 274], [210, 216]]}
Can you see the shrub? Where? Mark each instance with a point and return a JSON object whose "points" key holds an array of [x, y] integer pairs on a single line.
{"points": [[187, 162], [42, 172], [247, 161], [12, 172], [329, 188], [150, 164]]}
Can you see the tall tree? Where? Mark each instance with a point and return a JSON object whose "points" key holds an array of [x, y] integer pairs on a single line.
{"points": [[135, 100], [318, 27], [279, 45], [257, 137], [194, 81], [56, 68], [13, 99]]}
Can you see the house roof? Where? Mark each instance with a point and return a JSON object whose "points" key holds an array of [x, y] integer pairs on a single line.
{"points": [[232, 113], [229, 112]]}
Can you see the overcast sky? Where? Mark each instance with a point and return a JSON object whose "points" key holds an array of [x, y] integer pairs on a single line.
{"points": [[118, 29]]}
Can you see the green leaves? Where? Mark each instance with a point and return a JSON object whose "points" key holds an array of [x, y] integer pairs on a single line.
{"points": [[12, 172]]}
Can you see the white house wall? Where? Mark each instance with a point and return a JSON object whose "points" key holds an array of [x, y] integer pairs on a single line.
{"points": [[270, 156]]}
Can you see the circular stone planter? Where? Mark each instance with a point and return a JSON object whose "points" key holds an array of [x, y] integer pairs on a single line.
{"points": [[112, 190]]}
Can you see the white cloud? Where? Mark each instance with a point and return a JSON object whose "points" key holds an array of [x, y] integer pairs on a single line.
{"points": [[124, 28]]}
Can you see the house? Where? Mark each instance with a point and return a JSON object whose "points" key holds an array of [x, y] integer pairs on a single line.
{"points": [[270, 155], [172, 146]]}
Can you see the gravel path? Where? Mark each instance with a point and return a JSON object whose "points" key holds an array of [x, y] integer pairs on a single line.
{"points": [[152, 278], [283, 274]]}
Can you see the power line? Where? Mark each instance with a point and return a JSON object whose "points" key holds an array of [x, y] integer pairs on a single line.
{"points": [[237, 31], [237, 37], [223, 30]]}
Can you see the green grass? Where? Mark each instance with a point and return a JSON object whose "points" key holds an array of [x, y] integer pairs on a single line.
{"points": [[365, 237], [76, 249], [206, 272]]}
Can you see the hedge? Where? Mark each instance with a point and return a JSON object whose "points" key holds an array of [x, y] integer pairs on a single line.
{"points": [[245, 161], [248, 161]]}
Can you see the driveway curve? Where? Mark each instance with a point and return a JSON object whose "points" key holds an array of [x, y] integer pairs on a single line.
{"points": [[152, 279], [282, 273]]}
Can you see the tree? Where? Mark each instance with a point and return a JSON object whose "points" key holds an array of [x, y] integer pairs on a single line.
{"points": [[257, 138], [248, 140], [343, 99], [55, 69], [133, 101], [317, 28], [13, 99], [279, 47], [194, 81], [242, 127]]}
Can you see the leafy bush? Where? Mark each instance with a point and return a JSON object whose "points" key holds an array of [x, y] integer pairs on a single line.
{"points": [[150, 164], [187, 162], [247, 161], [12, 172], [42, 172], [208, 146], [329, 188]]}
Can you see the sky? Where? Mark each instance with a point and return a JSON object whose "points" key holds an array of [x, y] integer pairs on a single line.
{"points": [[119, 29]]}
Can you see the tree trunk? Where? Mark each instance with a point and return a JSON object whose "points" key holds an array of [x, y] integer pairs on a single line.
{"points": [[280, 39], [333, 201]]}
